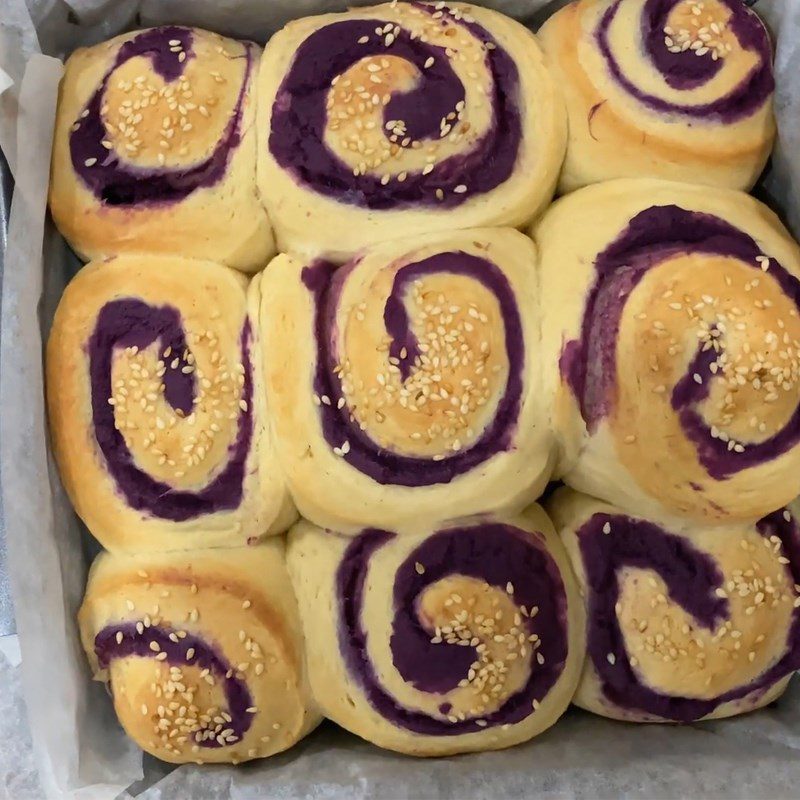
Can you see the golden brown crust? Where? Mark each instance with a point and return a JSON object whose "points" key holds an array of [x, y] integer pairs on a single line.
{"points": [[184, 452], [207, 598], [224, 222]]}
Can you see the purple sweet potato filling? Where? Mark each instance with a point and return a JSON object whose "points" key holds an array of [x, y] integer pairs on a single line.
{"points": [[115, 183], [205, 656], [381, 465], [130, 322], [688, 71], [299, 117], [691, 577], [493, 553], [589, 364]]}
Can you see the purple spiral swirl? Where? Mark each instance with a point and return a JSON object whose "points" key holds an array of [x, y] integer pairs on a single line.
{"points": [[300, 116], [692, 578], [125, 640], [338, 425], [589, 364], [118, 184], [129, 323], [497, 554], [686, 71]]}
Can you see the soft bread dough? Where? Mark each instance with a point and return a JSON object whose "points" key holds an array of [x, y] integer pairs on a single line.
{"points": [[643, 285], [639, 130], [466, 431], [357, 134], [215, 452], [668, 650], [468, 580], [164, 629], [200, 119]]}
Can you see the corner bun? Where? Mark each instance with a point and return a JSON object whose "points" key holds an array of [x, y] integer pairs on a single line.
{"points": [[202, 651], [674, 89], [683, 622], [154, 149]]}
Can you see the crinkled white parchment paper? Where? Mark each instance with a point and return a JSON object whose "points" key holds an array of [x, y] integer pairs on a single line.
{"points": [[79, 748]]}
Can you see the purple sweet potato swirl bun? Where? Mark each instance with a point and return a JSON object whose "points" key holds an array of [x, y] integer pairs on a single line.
{"points": [[673, 89], [154, 149], [410, 114], [672, 333], [156, 406], [682, 623], [406, 382], [445, 639]]}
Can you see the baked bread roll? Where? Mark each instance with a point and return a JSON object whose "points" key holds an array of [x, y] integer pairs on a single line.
{"points": [[683, 623], [671, 345], [405, 385], [407, 117], [155, 149], [157, 413], [676, 89], [384, 616], [202, 650]]}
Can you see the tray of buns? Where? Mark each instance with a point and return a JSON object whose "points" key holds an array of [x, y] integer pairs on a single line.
{"points": [[424, 377]]}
